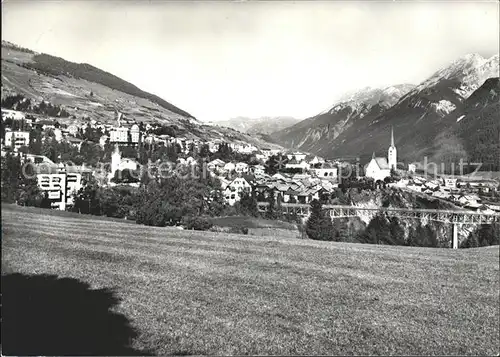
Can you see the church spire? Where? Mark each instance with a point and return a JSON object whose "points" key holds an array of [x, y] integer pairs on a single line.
{"points": [[392, 159], [373, 155]]}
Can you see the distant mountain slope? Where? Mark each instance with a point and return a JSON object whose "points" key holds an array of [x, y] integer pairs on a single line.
{"points": [[87, 92], [55, 66], [81, 86], [12, 46], [263, 125], [355, 110], [475, 126], [418, 117]]}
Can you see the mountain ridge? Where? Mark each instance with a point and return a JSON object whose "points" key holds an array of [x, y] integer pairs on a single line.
{"points": [[416, 116], [83, 92], [263, 125], [358, 107]]}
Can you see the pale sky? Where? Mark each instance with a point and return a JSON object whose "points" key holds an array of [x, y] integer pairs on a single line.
{"points": [[219, 60]]}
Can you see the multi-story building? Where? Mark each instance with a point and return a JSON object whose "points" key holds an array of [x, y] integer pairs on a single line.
{"points": [[326, 171], [296, 155], [258, 170], [60, 183], [72, 129], [229, 167], [236, 188], [296, 164], [135, 134], [123, 135], [17, 139], [213, 146], [241, 167], [246, 149], [119, 135], [450, 182], [216, 164], [270, 152], [12, 114]]}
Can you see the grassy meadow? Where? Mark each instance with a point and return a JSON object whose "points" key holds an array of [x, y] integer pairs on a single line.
{"points": [[165, 291]]}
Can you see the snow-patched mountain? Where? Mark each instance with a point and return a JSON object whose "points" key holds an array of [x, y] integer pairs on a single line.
{"points": [[354, 109], [472, 70], [474, 128], [448, 87], [386, 97], [391, 95], [262, 125], [418, 116]]}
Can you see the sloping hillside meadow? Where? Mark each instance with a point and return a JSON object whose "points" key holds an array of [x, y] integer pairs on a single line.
{"points": [[86, 92], [188, 292]]}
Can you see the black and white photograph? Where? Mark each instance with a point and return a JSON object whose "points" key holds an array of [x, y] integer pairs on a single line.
{"points": [[250, 177]]}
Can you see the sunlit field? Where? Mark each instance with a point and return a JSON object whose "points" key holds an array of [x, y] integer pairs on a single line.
{"points": [[165, 291]]}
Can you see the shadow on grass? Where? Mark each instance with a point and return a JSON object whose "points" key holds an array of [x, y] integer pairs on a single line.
{"points": [[45, 315]]}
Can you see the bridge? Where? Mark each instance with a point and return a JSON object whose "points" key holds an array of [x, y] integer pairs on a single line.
{"points": [[454, 217]]}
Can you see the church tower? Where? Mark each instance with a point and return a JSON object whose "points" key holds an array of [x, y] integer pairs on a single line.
{"points": [[392, 154]]}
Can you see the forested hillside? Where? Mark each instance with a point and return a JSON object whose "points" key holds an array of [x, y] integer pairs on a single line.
{"points": [[56, 66]]}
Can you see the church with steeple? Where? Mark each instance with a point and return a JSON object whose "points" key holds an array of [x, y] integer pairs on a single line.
{"points": [[380, 167], [119, 164]]}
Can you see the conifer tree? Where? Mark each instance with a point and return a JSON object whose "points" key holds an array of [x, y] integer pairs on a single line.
{"points": [[397, 231], [319, 226], [271, 208], [471, 241]]}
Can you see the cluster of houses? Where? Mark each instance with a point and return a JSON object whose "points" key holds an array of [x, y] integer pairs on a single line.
{"points": [[122, 133], [461, 193], [286, 188], [314, 176], [236, 177]]}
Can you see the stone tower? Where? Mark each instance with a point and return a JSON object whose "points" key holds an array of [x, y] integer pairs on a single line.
{"points": [[392, 153]]}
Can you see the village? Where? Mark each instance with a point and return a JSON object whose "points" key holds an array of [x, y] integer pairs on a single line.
{"points": [[294, 177]]}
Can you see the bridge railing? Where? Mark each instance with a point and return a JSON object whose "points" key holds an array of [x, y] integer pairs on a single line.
{"points": [[447, 216]]}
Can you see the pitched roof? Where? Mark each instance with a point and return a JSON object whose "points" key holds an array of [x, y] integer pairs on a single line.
{"points": [[249, 178], [45, 122], [72, 139], [328, 165], [216, 162], [52, 168], [258, 166]]}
